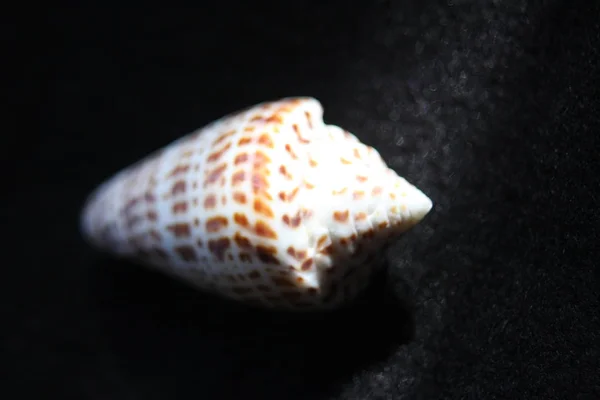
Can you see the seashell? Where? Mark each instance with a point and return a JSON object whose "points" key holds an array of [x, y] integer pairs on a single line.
{"points": [[268, 206]]}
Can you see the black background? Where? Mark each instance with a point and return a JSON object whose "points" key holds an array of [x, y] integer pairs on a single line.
{"points": [[490, 107]]}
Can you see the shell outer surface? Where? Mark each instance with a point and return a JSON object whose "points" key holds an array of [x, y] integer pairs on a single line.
{"points": [[268, 206]]}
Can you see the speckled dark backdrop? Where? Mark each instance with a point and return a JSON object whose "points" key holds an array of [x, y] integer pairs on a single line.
{"points": [[491, 107]]}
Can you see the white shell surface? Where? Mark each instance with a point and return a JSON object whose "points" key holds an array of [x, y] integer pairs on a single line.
{"points": [[268, 205]]}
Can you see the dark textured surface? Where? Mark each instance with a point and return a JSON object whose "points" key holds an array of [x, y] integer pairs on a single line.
{"points": [[491, 107]]}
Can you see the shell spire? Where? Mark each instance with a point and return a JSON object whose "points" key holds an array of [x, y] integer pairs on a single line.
{"points": [[268, 205]]}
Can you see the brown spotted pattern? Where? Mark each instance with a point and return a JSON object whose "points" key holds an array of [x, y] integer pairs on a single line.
{"points": [[268, 205]]}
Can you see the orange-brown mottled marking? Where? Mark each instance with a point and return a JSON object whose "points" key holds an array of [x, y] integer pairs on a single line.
{"points": [[218, 247], [361, 216], [263, 229], [267, 254], [224, 136], [321, 241], [178, 187], [309, 119], [356, 153], [180, 207], [210, 201], [290, 196], [369, 234], [241, 240], [180, 169], [328, 250], [259, 183], [312, 163], [297, 254], [344, 161], [357, 195], [187, 253], [361, 178], [308, 185], [265, 140], [299, 136], [214, 175], [239, 197], [214, 157], [223, 200], [338, 192], [187, 153], [215, 224], [307, 264], [306, 213], [288, 148], [377, 190], [240, 158], [275, 118], [244, 141], [341, 216], [249, 128], [263, 208], [181, 229], [283, 171], [261, 160], [294, 221], [241, 219], [238, 178]]}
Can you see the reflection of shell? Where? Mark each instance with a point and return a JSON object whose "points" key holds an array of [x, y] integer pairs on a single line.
{"points": [[269, 206]]}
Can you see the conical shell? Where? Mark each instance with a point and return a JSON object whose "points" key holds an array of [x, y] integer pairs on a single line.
{"points": [[269, 205]]}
